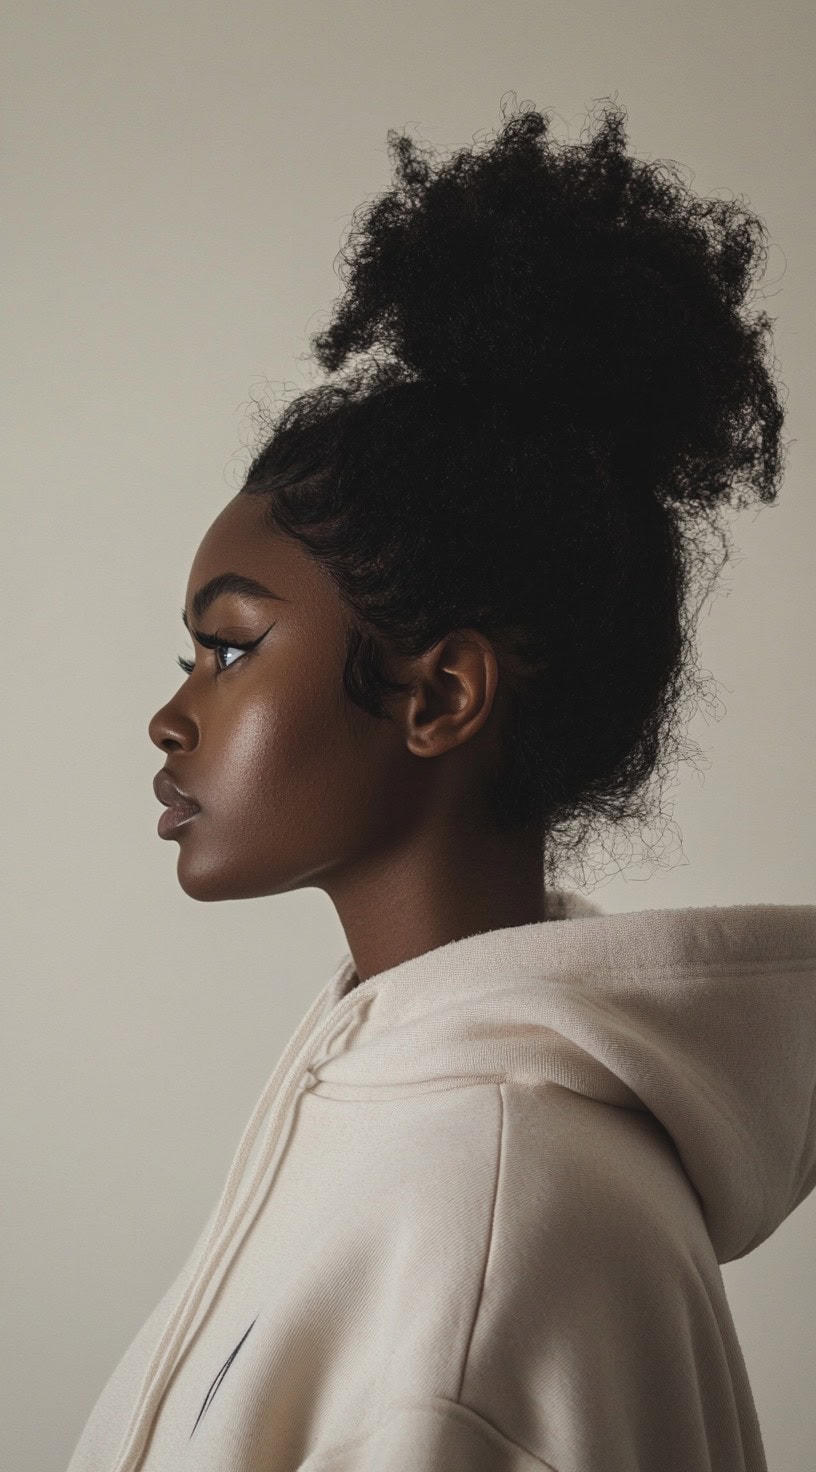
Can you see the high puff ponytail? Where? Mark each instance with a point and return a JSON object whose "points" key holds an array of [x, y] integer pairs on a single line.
{"points": [[544, 392]]}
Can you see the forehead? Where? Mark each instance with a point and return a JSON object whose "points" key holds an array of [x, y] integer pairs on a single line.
{"points": [[236, 537], [239, 541]]}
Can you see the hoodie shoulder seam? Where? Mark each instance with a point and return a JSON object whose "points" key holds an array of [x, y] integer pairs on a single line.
{"points": [[490, 1237]]}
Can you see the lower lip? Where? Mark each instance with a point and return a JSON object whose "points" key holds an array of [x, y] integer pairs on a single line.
{"points": [[174, 819]]}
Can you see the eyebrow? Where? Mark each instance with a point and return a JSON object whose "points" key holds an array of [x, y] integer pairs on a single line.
{"points": [[226, 582]]}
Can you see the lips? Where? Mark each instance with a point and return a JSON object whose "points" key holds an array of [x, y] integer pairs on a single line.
{"points": [[172, 796]]}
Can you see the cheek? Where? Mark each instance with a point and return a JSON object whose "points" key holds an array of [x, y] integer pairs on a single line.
{"points": [[290, 762], [290, 789]]}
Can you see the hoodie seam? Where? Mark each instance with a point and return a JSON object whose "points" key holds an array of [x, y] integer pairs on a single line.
{"points": [[482, 1424], [416, 1088], [443, 1409], [490, 1238], [734, 965], [574, 971]]}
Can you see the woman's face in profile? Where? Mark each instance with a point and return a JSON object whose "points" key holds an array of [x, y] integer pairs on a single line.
{"points": [[293, 781]]}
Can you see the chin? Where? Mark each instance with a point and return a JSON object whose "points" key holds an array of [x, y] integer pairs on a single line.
{"points": [[214, 881], [207, 882]]}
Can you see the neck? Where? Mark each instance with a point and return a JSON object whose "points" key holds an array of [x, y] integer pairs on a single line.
{"points": [[400, 905]]}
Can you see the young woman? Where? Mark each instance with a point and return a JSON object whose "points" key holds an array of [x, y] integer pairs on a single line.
{"points": [[444, 632]]}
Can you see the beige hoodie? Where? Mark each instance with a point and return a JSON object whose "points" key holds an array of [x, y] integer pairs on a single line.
{"points": [[476, 1221]]}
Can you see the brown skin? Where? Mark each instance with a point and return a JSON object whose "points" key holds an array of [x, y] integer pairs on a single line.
{"points": [[298, 787]]}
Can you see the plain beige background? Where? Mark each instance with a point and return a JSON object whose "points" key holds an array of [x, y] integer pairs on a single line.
{"points": [[178, 176]]}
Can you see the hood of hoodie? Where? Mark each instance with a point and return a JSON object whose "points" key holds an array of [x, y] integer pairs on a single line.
{"points": [[704, 1017]]}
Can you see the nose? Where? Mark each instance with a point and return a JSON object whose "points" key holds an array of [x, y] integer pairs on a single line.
{"points": [[170, 730]]}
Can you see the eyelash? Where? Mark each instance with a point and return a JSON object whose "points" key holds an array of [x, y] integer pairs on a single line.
{"points": [[211, 641]]}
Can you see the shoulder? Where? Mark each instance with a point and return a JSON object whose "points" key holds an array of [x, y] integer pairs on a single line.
{"points": [[576, 1170]]}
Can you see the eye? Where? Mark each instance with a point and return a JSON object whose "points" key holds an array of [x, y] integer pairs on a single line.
{"points": [[188, 665], [211, 642], [239, 648]]}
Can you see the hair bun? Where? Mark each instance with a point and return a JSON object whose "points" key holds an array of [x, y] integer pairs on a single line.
{"points": [[575, 290], [476, 395]]}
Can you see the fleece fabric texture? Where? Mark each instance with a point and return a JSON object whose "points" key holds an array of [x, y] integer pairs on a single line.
{"points": [[477, 1218]]}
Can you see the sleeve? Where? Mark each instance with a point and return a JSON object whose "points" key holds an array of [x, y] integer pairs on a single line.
{"points": [[435, 1435]]}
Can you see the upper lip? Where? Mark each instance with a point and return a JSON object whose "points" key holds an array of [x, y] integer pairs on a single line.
{"points": [[169, 793]]}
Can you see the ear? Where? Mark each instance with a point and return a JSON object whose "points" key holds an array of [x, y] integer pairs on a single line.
{"points": [[454, 689]]}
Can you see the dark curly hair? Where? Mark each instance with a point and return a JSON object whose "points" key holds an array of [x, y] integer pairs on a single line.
{"points": [[560, 392]]}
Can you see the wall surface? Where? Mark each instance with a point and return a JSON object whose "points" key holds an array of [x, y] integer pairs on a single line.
{"points": [[177, 180]]}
